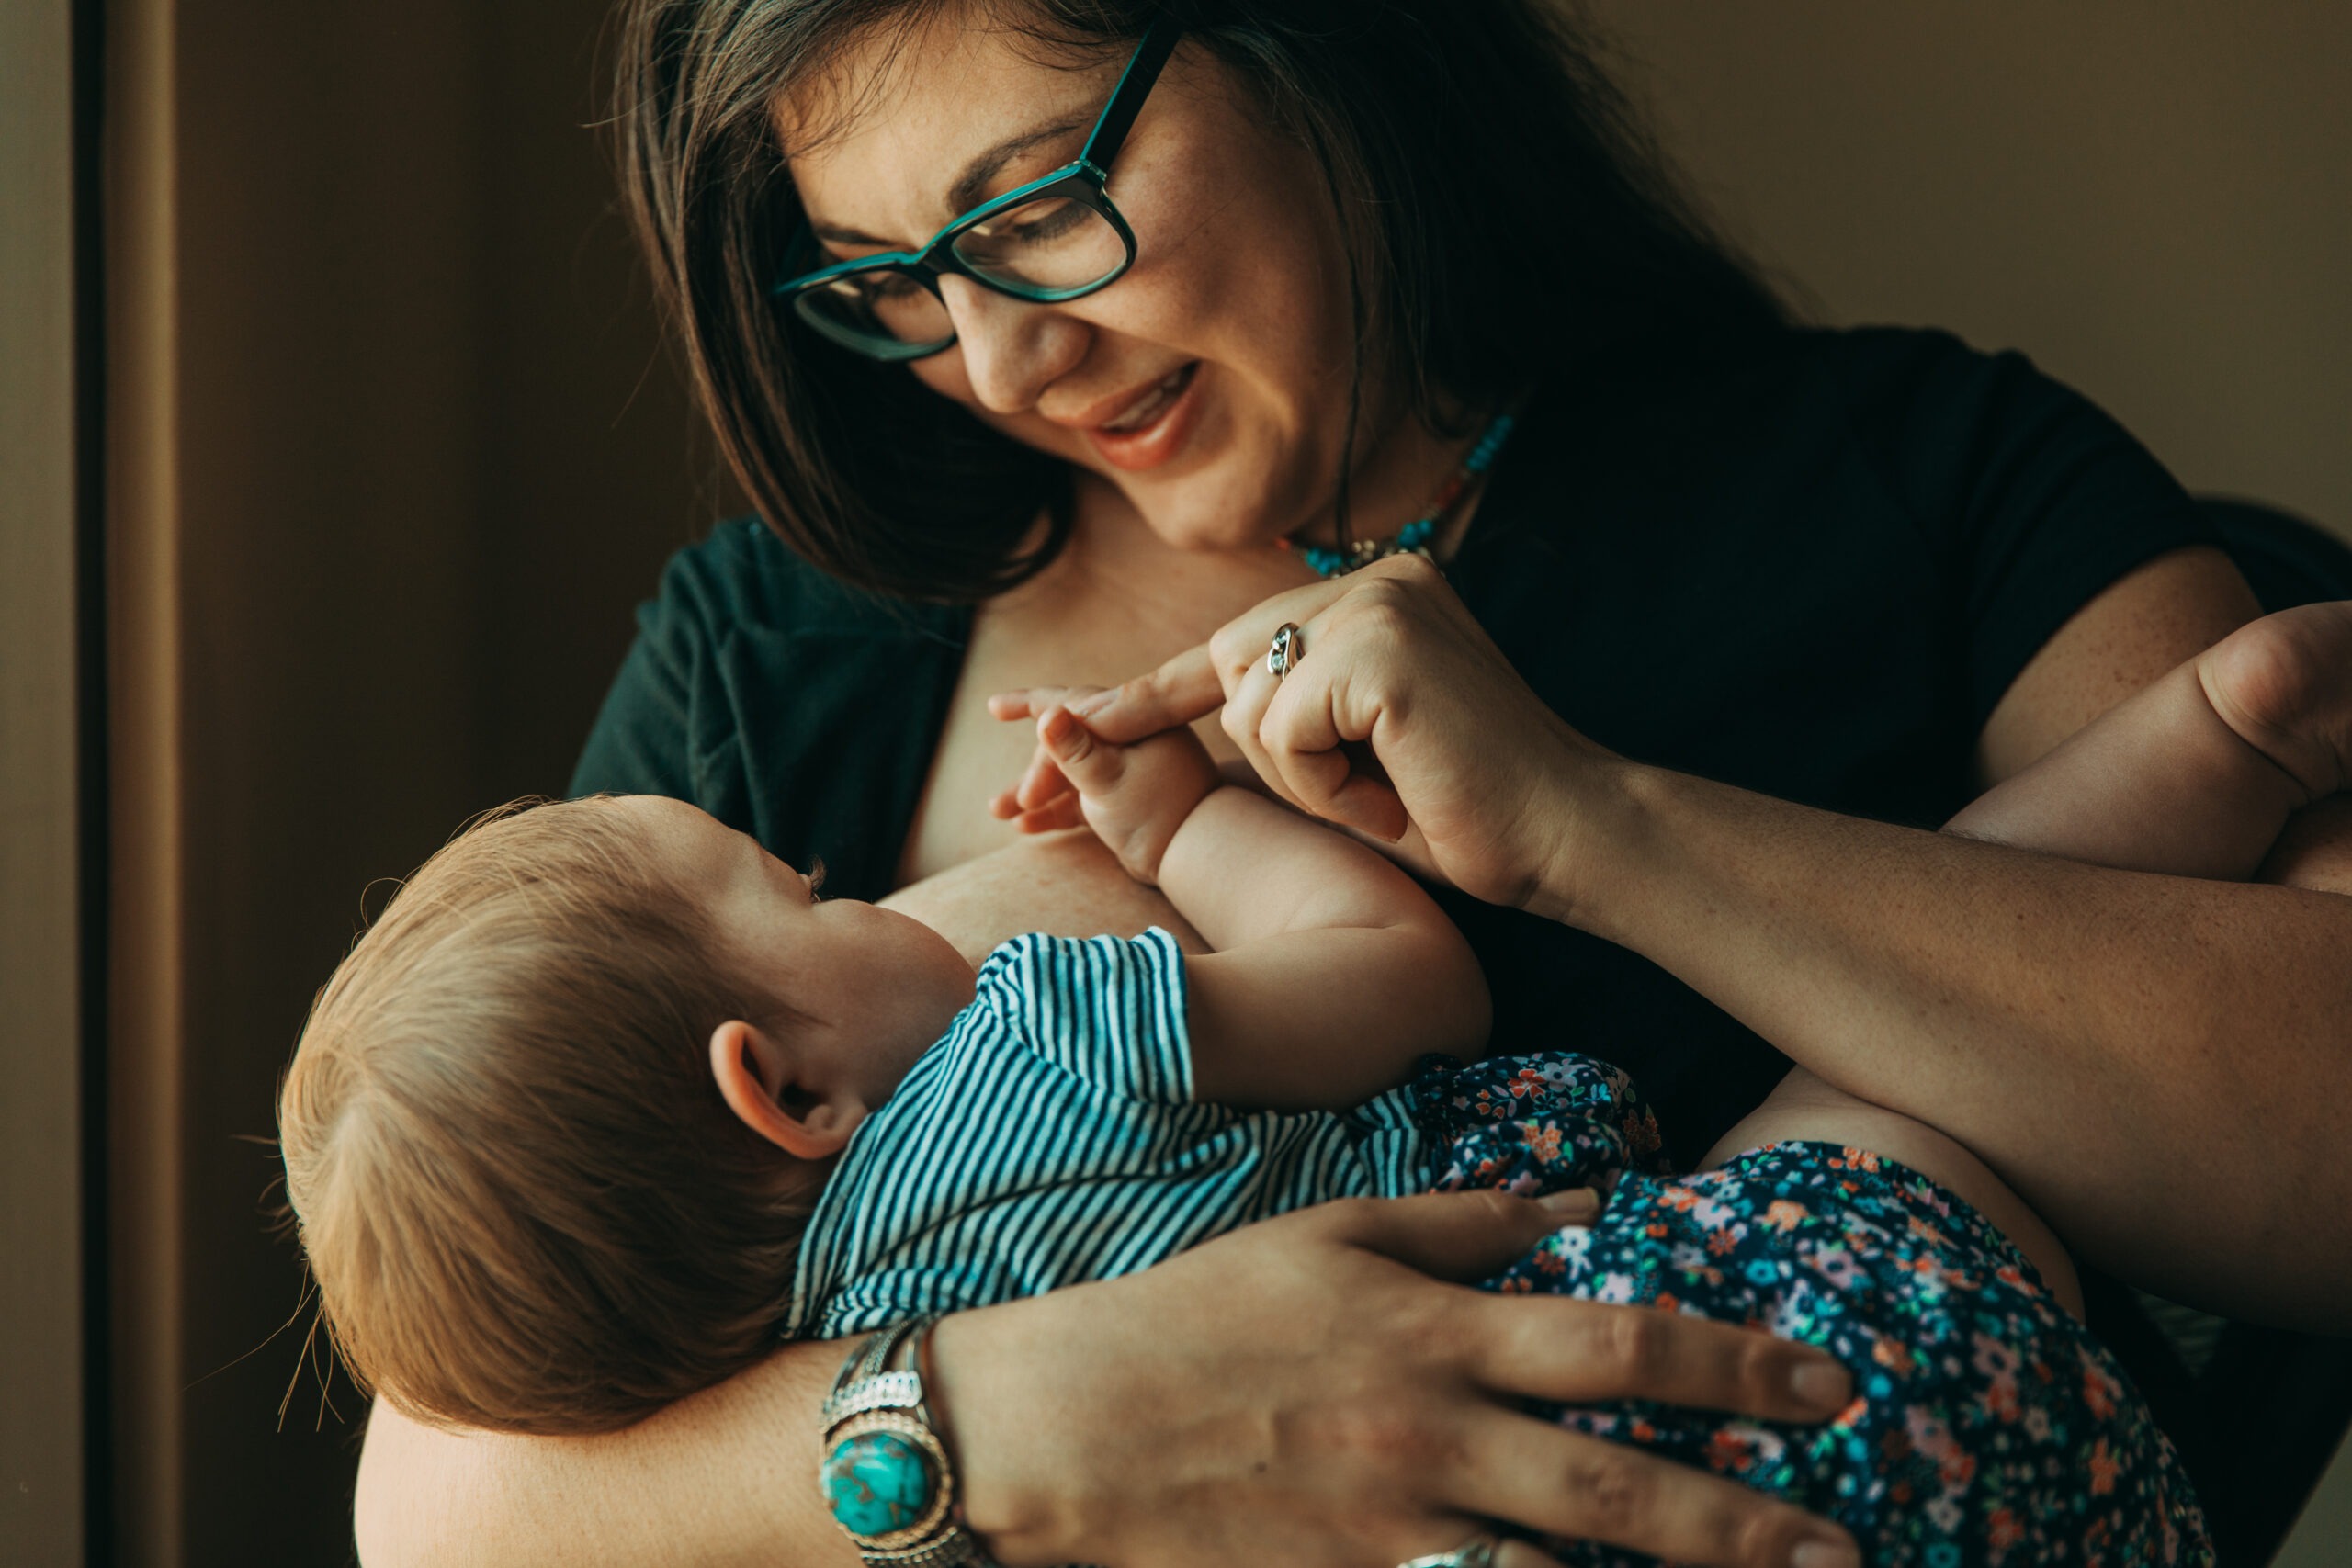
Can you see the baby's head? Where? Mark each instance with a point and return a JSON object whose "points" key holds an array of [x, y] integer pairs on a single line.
{"points": [[556, 1123]]}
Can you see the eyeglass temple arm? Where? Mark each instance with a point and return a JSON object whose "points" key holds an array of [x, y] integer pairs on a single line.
{"points": [[1134, 85]]}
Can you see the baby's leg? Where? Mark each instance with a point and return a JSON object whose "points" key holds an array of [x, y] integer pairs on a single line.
{"points": [[2196, 775], [2193, 777]]}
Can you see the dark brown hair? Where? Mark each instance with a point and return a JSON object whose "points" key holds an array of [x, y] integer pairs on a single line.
{"points": [[1475, 149], [525, 1205]]}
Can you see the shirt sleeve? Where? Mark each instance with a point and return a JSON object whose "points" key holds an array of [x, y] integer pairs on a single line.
{"points": [[667, 726], [2035, 500], [1108, 1011]]}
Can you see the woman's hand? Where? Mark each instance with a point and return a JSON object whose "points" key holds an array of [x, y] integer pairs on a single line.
{"points": [[1401, 720], [1302, 1392]]}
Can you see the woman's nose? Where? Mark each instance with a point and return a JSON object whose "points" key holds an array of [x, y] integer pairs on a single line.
{"points": [[1013, 349]]}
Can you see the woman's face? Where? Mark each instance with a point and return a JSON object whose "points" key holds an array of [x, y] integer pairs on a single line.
{"points": [[1209, 384]]}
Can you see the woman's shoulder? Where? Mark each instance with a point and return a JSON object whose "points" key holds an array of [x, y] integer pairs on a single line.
{"points": [[740, 578], [779, 701], [1765, 544], [1872, 374], [1851, 437]]}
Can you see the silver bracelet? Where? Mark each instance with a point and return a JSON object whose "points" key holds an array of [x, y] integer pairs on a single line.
{"points": [[883, 1471]]}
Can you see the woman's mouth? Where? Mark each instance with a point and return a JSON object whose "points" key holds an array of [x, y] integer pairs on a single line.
{"points": [[1148, 432]]}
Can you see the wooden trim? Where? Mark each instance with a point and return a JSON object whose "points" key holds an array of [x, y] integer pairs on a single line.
{"points": [[146, 1002]]}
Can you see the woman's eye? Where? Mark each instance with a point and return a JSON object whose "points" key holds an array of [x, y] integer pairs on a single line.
{"points": [[1050, 226]]}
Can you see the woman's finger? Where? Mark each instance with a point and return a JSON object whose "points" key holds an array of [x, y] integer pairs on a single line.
{"points": [[1250, 693], [1183, 688], [1463, 1236], [1575, 1352], [1302, 732], [1567, 1483]]}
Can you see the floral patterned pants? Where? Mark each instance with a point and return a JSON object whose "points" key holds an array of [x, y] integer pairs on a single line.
{"points": [[1987, 1426]]}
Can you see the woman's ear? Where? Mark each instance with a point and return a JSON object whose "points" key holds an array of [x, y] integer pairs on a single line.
{"points": [[763, 1082]]}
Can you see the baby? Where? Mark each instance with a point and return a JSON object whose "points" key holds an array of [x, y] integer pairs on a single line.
{"points": [[528, 1209]]}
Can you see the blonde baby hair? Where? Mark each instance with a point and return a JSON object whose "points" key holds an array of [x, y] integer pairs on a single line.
{"points": [[524, 1203]]}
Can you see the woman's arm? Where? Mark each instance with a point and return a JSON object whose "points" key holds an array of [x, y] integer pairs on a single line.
{"points": [[1304, 1391], [2159, 1066], [724, 1479]]}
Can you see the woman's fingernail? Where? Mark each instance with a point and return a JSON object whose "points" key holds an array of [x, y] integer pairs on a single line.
{"points": [[1821, 1383], [1826, 1551], [1573, 1208]]}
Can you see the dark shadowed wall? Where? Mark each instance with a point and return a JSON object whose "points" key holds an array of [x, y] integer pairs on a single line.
{"points": [[399, 453], [418, 455]]}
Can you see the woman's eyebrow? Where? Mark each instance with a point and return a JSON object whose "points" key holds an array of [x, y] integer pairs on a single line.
{"points": [[965, 194]]}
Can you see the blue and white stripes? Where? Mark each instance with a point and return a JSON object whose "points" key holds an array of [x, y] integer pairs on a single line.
{"points": [[1050, 1139]]}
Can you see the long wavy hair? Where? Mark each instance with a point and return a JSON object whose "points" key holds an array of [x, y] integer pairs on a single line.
{"points": [[1475, 151]]}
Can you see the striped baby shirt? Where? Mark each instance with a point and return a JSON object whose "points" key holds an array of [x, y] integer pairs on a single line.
{"points": [[1050, 1137]]}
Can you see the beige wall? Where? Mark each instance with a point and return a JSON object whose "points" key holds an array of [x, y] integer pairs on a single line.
{"points": [[2155, 200], [41, 1394]]}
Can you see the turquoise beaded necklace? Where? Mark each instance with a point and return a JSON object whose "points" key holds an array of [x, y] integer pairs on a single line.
{"points": [[1414, 537]]}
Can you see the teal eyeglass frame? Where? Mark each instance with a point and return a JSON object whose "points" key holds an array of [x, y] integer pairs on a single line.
{"points": [[1082, 181]]}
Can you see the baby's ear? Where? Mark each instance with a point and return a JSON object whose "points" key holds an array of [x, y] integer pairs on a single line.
{"points": [[761, 1079]]}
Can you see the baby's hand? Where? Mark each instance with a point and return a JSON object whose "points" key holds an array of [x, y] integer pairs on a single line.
{"points": [[1135, 797]]}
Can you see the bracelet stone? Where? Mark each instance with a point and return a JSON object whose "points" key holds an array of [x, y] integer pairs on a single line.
{"points": [[885, 1480], [885, 1474]]}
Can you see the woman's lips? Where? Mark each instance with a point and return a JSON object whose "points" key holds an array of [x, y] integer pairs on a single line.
{"points": [[1151, 443]]}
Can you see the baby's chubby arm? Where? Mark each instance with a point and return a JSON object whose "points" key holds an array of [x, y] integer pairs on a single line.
{"points": [[1333, 972]]}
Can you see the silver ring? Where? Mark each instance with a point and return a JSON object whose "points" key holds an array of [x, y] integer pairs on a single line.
{"points": [[1288, 649], [1478, 1552]]}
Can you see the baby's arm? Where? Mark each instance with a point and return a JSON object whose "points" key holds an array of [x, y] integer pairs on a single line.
{"points": [[1333, 972]]}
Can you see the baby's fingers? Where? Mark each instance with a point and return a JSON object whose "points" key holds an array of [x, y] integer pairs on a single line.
{"points": [[1014, 705], [1053, 818], [1089, 765], [1043, 782]]}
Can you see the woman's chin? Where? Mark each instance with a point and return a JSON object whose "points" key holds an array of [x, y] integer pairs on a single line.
{"points": [[1194, 528]]}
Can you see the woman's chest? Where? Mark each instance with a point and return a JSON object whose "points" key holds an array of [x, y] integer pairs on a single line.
{"points": [[1077, 625]]}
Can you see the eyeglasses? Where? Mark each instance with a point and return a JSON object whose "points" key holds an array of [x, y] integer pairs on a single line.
{"points": [[1054, 239]]}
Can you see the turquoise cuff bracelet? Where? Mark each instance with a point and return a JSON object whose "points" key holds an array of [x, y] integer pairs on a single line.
{"points": [[883, 1472]]}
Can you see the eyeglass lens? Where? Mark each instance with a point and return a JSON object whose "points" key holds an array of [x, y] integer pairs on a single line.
{"points": [[1039, 249]]}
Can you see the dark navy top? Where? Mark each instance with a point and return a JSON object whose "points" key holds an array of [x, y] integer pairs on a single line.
{"points": [[1808, 564]]}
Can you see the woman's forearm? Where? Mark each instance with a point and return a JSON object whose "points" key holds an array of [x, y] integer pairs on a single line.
{"points": [[2161, 1065], [726, 1479]]}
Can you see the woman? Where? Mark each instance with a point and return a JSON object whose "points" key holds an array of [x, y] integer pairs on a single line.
{"points": [[1871, 573]]}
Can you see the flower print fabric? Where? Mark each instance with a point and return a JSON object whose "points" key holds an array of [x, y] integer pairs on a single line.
{"points": [[1987, 1427]]}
